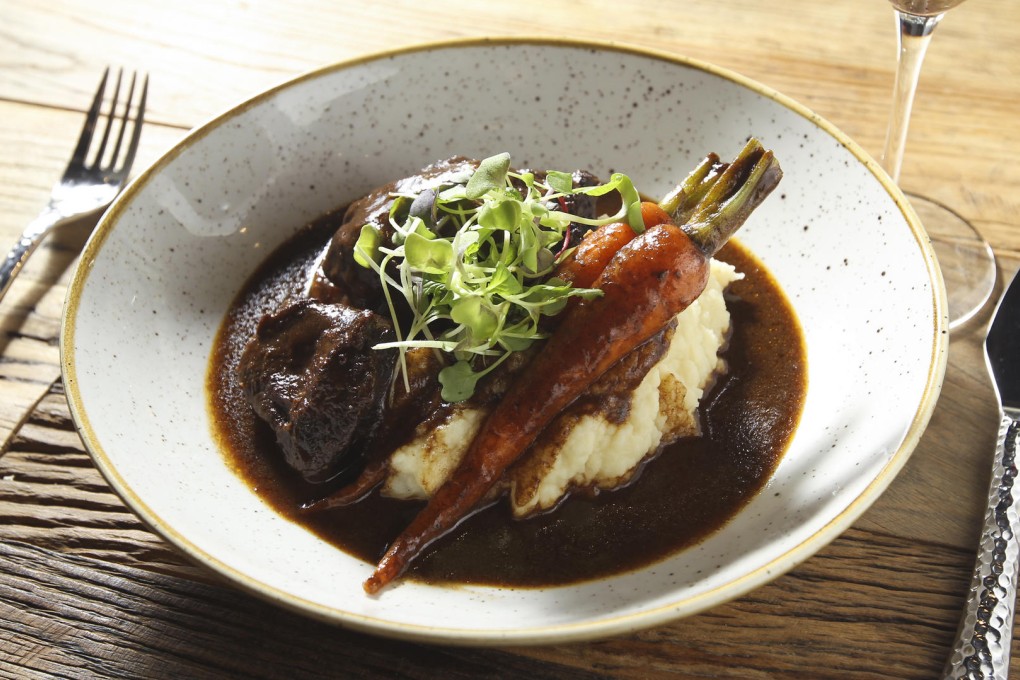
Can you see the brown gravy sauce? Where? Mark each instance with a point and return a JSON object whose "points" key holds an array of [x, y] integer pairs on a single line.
{"points": [[686, 492]]}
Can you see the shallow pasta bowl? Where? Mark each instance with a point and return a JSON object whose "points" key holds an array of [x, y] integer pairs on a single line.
{"points": [[162, 268]]}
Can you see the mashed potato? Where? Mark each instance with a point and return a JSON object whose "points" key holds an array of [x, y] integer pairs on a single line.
{"points": [[585, 448]]}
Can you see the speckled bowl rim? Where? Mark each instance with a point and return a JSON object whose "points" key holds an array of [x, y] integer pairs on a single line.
{"points": [[547, 634]]}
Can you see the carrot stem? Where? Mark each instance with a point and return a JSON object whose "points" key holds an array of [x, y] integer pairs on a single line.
{"points": [[717, 198]]}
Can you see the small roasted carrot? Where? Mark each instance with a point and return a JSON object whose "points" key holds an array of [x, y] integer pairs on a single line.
{"points": [[586, 262], [582, 266], [653, 214]]}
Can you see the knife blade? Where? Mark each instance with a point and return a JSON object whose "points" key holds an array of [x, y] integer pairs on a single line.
{"points": [[1002, 347], [986, 627]]}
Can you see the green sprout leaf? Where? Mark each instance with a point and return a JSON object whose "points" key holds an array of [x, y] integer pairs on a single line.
{"points": [[503, 215], [630, 197], [458, 381], [366, 248], [477, 315], [631, 200], [560, 182], [490, 175], [424, 208], [431, 256]]}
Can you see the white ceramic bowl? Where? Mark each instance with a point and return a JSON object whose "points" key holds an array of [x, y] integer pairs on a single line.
{"points": [[156, 278]]}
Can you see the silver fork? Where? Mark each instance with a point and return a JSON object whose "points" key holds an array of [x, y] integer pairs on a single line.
{"points": [[93, 177]]}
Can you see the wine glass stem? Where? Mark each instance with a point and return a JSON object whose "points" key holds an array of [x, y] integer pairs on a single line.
{"points": [[912, 39]]}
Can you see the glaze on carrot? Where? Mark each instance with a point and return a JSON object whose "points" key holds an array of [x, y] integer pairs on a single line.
{"points": [[586, 262]]}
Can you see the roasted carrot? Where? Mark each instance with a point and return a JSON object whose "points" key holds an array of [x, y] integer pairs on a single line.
{"points": [[653, 213], [646, 283], [586, 262]]}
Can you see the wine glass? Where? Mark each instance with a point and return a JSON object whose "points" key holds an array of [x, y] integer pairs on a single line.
{"points": [[966, 259]]}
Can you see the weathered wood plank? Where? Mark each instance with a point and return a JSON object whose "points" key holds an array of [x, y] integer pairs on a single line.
{"points": [[123, 620], [67, 616]]}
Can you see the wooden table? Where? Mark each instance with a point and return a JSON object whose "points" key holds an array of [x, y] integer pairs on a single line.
{"points": [[87, 591]]}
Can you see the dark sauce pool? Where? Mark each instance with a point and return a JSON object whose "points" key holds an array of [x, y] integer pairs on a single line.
{"points": [[686, 492]]}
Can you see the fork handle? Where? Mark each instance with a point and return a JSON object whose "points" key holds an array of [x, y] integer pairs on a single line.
{"points": [[27, 243], [986, 628]]}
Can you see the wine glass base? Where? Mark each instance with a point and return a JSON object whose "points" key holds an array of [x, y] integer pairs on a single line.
{"points": [[965, 258]]}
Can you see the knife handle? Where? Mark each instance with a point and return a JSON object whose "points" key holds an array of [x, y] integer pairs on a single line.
{"points": [[986, 628]]}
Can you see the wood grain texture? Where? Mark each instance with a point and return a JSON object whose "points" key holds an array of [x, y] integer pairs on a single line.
{"points": [[70, 616], [88, 591]]}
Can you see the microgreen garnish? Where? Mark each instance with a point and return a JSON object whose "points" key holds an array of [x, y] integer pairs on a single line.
{"points": [[473, 262]]}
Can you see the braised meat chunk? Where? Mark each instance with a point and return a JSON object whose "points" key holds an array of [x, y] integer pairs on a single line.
{"points": [[312, 375], [357, 286]]}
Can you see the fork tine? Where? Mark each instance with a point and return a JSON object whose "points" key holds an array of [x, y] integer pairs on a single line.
{"points": [[136, 133], [123, 121], [82, 148], [111, 116], [84, 188]]}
